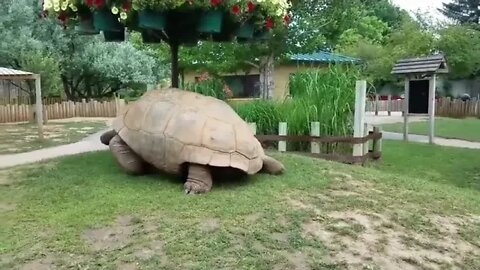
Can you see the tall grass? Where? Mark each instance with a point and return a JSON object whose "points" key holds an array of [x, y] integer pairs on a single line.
{"points": [[326, 96], [209, 87]]}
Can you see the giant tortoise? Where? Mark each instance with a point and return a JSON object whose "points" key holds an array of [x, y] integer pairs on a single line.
{"points": [[170, 129]]}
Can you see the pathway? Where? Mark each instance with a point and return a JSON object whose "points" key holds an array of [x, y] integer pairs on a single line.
{"points": [[396, 117], [88, 144]]}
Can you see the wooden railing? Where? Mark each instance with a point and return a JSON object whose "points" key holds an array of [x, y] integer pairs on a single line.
{"points": [[371, 143]]}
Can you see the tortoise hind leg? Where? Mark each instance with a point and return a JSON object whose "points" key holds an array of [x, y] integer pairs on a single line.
{"points": [[272, 166], [126, 158], [199, 179]]}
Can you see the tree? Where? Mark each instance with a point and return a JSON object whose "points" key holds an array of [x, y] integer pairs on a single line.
{"points": [[66, 60], [410, 40], [22, 48], [462, 11], [461, 45]]}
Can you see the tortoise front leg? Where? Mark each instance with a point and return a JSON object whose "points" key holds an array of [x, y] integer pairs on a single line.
{"points": [[128, 160], [199, 179]]}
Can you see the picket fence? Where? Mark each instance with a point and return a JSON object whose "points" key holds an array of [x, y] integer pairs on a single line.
{"points": [[67, 109]]}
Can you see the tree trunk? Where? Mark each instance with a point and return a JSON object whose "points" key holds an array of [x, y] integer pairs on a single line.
{"points": [[267, 84], [66, 88], [174, 56]]}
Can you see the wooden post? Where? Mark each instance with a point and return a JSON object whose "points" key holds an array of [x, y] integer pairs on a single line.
{"points": [[253, 127], [405, 109], [359, 122], [376, 104], [38, 105], [431, 108], [367, 143], [389, 105], [377, 144], [315, 131], [282, 131]]}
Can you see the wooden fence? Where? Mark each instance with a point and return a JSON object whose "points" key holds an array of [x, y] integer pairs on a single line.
{"points": [[457, 108], [371, 150], [445, 107], [66, 109], [25, 100]]}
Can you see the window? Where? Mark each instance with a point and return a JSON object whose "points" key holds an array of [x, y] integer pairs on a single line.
{"points": [[244, 86]]}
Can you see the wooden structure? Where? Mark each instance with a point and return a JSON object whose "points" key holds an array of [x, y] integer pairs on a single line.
{"points": [[420, 84], [368, 151], [12, 74]]}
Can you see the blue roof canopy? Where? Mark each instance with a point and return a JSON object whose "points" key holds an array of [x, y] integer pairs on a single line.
{"points": [[324, 57]]}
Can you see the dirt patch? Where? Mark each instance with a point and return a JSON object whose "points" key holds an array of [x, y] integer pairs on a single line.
{"points": [[127, 266], [6, 207], [253, 217], [388, 248], [282, 237], [113, 237], [40, 264], [298, 260], [154, 248], [210, 224]]}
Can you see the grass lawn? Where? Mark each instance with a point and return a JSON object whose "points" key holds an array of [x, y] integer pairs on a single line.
{"points": [[419, 208], [17, 138], [464, 129]]}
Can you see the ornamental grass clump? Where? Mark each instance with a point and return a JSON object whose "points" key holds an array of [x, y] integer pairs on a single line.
{"points": [[325, 96]]}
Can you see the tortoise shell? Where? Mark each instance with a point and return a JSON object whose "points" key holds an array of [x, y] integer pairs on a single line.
{"points": [[169, 127]]}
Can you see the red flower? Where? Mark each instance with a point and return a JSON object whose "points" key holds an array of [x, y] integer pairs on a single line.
{"points": [[89, 2], [269, 23], [235, 9], [251, 6], [215, 2], [99, 3], [127, 5], [286, 19]]}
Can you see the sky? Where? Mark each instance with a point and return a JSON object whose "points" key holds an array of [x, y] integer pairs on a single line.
{"points": [[424, 5]]}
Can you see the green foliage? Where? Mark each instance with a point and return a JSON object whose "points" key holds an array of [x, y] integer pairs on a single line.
{"points": [[84, 66], [210, 87], [265, 113], [461, 45], [410, 40]]}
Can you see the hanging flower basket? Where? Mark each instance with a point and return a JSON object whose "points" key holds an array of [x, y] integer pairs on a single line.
{"points": [[211, 21], [151, 19], [114, 36], [105, 20], [246, 30], [86, 27]]}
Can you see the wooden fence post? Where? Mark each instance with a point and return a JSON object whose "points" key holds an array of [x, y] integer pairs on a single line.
{"points": [[367, 143], [359, 120], [315, 131], [389, 105], [376, 104], [282, 131], [377, 143]]}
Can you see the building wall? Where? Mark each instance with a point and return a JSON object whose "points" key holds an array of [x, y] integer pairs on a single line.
{"points": [[281, 76]]}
